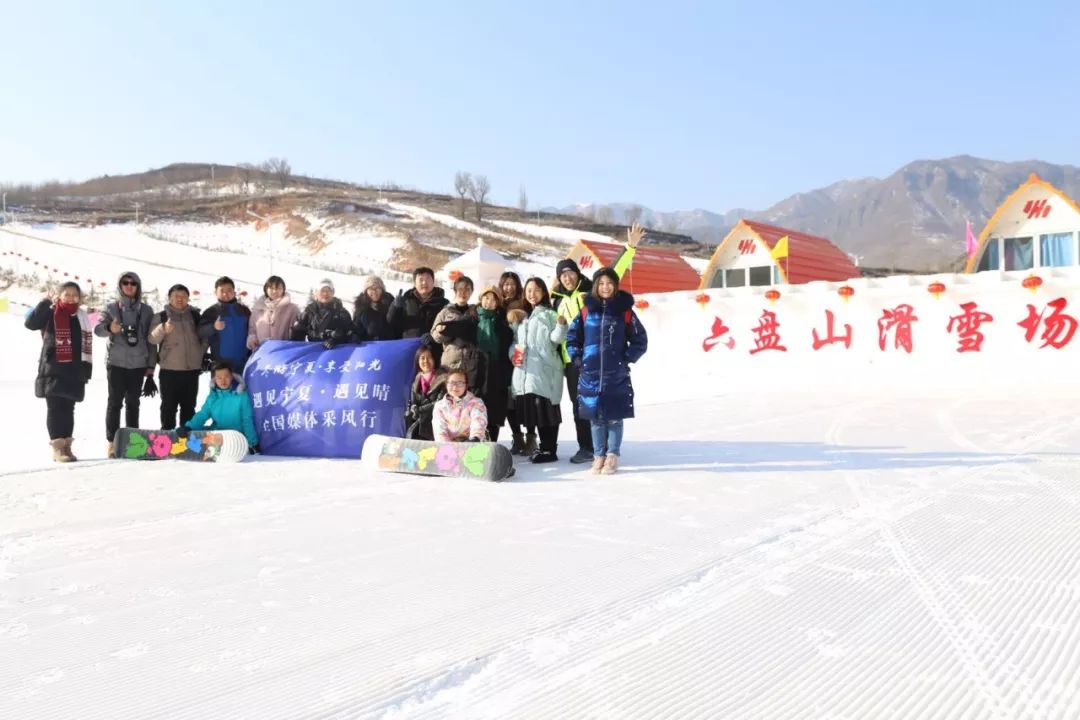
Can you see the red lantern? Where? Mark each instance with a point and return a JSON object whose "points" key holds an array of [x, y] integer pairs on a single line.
{"points": [[102, 284], [196, 293], [935, 289], [845, 291], [772, 295], [243, 293], [76, 277], [1032, 283], [702, 299], [641, 304], [454, 275]]}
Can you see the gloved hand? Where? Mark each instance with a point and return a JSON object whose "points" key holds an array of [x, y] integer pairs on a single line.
{"points": [[183, 431], [149, 388], [254, 449], [329, 343]]}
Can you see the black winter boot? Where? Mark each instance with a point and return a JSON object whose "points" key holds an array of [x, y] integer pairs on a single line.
{"points": [[530, 445], [517, 447]]}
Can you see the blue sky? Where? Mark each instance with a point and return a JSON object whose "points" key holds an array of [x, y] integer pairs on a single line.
{"points": [[674, 105]]}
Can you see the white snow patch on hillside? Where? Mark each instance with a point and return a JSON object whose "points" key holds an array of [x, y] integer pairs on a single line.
{"points": [[551, 232]]}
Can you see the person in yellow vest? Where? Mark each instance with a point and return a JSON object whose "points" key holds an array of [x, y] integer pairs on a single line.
{"points": [[568, 297]]}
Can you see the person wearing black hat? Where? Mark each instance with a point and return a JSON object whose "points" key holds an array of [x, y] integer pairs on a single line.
{"points": [[568, 297], [603, 341]]}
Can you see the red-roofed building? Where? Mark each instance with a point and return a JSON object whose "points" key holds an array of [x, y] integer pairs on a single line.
{"points": [[653, 270], [746, 257]]}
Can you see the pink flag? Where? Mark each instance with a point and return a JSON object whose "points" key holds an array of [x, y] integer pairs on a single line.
{"points": [[970, 243]]}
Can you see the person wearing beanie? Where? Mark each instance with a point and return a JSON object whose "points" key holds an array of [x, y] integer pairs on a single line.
{"points": [[65, 363], [175, 333], [493, 339], [602, 342], [370, 310], [324, 320], [273, 315], [568, 297]]}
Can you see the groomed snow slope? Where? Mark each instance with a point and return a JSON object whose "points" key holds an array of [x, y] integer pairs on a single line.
{"points": [[760, 556]]}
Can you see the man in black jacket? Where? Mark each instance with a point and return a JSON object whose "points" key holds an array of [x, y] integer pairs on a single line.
{"points": [[324, 320], [413, 313]]}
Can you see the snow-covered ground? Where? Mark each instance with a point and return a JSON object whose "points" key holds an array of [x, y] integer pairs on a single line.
{"points": [[760, 555]]}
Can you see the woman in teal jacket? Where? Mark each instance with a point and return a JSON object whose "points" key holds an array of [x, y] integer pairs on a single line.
{"points": [[538, 370], [228, 407]]}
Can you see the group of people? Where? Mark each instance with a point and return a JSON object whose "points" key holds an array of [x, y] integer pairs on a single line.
{"points": [[503, 360]]}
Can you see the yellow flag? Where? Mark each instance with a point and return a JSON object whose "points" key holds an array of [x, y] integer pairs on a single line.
{"points": [[780, 250]]}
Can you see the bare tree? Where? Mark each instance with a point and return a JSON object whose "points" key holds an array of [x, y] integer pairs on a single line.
{"points": [[279, 168], [480, 189], [633, 214], [463, 186], [604, 214], [523, 200], [245, 174]]}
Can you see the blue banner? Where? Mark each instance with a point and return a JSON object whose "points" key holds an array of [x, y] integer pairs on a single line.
{"points": [[312, 402]]}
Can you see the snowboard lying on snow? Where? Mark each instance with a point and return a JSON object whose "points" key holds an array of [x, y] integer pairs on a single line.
{"points": [[202, 445], [481, 460]]}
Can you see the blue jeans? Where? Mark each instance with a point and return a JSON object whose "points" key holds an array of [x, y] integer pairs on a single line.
{"points": [[606, 437]]}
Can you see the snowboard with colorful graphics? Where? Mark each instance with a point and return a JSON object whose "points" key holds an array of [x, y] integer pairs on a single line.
{"points": [[226, 446], [480, 460]]}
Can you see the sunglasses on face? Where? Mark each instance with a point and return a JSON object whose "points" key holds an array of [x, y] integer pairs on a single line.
{"points": [[129, 283]]}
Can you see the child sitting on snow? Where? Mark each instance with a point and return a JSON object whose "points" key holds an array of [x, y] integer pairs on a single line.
{"points": [[228, 407], [460, 415]]}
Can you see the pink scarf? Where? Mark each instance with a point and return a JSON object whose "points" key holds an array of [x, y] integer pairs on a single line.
{"points": [[425, 382]]}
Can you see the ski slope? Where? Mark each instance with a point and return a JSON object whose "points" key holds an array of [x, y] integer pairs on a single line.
{"points": [[784, 555]]}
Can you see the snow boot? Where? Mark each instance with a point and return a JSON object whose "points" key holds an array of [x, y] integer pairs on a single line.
{"points": [[611, 464], [582, 456], [517, 447], [544, 456], [66, 450], [58, 450], [112, 451], [598, 464], [530, 445]]}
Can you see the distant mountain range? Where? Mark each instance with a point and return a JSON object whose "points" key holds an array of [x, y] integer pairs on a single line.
{"points": [[913, 219]]}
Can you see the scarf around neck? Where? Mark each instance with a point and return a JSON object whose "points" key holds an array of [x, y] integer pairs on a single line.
{"points": [[62, 313]]}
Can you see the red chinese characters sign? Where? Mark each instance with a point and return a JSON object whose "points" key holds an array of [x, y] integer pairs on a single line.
{"points": [[1058, 327], [967, 325], [898, 320]]}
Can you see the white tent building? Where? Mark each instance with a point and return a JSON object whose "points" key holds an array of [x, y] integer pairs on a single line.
{"points": [[482, 264]]}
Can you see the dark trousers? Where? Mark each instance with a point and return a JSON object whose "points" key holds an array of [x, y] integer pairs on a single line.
{"points": [[59, 417], [582, 428], [549, 437], [125, 387], [179, 389]]}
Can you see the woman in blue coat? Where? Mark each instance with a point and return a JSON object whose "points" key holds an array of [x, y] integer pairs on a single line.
{"points": [[602, 341]]}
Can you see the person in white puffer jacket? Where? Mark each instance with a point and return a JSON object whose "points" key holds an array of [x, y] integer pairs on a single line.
{"points": [[459, 415]]}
